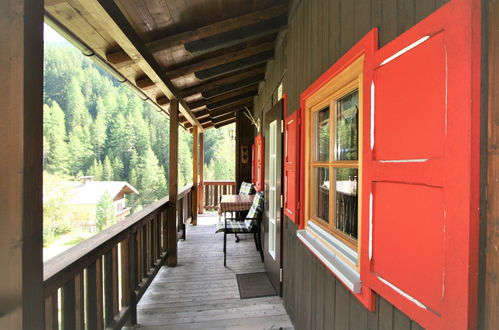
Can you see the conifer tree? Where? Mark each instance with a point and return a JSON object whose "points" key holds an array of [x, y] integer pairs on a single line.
{"points": [[99, 135], [118, 170], [55, 136], [152, 179], [76, 112], [107, 170], [96, 170], [104, 212]]}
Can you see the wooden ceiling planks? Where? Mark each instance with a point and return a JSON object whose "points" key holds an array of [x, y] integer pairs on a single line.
{"points": [[212, 52]]}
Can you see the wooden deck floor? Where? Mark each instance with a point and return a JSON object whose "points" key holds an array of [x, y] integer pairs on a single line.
{"points": [[201, 294]]}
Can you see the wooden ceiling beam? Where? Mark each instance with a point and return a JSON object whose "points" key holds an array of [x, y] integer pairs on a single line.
{"points": [[246, 102], [207, 125], [209, 30], [223, 118], [223, 81], [219, 60], [234, 95], [237, 65], [223, 111], [232, 100], [236, 36], [225, 123], [110, 17], [211, 63], [251, 81]]}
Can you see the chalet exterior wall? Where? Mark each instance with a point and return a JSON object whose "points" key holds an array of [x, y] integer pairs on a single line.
{"points": [[319, 33]]}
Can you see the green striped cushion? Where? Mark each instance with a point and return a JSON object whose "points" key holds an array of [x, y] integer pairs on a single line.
{"points": [[234, 226]]}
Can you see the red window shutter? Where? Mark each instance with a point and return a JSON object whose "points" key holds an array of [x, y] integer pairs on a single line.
{"points": [[419, 205], [259, 153], [291, 159], [253, 164]]}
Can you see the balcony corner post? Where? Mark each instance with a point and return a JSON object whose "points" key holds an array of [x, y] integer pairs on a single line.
{"points": [[173, 186], [201, 174], [21, 168], [195, 166]]}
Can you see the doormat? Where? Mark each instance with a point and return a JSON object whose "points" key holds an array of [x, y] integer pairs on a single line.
{"points": [[254, 285]]}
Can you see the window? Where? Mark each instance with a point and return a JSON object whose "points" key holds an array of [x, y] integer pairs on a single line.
{"points": [[332, 119], [333, 115]]}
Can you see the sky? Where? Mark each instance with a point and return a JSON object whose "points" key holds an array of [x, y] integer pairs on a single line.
{"points": [[51, 36]]}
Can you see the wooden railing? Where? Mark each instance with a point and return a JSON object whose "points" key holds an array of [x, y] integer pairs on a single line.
{"points": [[97, 283], [214, 189]]}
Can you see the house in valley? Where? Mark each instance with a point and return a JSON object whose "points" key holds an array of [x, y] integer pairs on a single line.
{"points": [[84, 196]]}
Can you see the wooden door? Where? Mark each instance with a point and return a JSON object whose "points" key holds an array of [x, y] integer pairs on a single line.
{"points": [[272, 218]]}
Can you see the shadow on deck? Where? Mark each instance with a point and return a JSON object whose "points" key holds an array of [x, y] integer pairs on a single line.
{"points": [[201, 294]]}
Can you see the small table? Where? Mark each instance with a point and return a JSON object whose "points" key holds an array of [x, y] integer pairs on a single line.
{"points": [[235, 203]]}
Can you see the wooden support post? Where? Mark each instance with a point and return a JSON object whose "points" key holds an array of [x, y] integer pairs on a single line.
{"points": [[195, 160], [21, 133], [173, 185], [201, 174]]}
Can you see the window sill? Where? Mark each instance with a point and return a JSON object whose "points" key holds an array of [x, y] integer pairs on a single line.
{"points": [[349, 276]]}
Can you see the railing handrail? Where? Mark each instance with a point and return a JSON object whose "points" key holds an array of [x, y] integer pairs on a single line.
{"points": [[219, 182], [66, 265]]}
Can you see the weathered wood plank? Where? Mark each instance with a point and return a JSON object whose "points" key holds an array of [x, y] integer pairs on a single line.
{"points": [[202, 294], [80, 302], [358, 314], [491, 231], [329, 301], [342, 307], [68, 306], [362, 18], [423, 8], [224, 81], [195, 175], [388, 30], [400, 321], [173, 185], [346, 25], [405, 15], [220, 60], [21, 131], [52, 311], [385, 319], [372, 317], [210, 30]]}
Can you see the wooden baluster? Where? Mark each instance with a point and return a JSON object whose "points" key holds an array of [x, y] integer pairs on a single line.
{"points": [[180, 212], [152, 239], [145, 252], [132, 280], [164, 229], [93, 288], [80, 301], [68, 305], [138, 235], [205, 195], [147, 233], [110, 285], [215, 198], [157, 237], [125, 272], [115, 275], [52, 312]]}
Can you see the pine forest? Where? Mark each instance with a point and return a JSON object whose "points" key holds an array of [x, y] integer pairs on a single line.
{"points": [[95, 126]]}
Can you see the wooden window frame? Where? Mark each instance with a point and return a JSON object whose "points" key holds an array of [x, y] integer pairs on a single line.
{"points": [[350, 79]]}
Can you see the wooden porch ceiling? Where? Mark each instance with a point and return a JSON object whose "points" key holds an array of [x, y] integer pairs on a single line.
{"points": [[209, 54]]}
